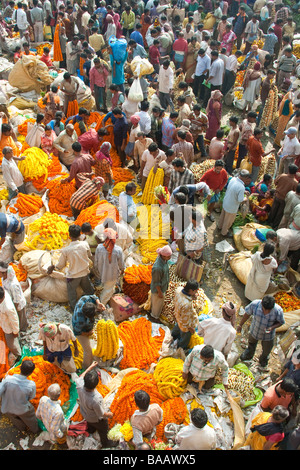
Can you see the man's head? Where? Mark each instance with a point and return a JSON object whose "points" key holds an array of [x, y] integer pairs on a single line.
{"points": [[267, 303], [74, 231], [251, 117], [178, 164], [142, 400], [287, 387], [76, 147], [117, 112], [292, 169], [233, 120], [280, 413], [244, 175], [174, 115], [220, 134], [153, 149], [258, 133], [191, 287], [27, 367], [181, 135], [166, 64], [219, 165], [54, 391], [199, 418], [89, 310], [130, 188], [7, 152], [291, 132], [69, 129], [207, 354], [91, 380]]}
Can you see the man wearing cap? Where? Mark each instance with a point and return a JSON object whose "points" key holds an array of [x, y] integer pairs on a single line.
{"points": [[220, 333], [234, 196], [160, 281], [56, 339], [289, 151]]}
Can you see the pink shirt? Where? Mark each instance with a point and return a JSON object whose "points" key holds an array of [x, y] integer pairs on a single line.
{"points": [[98, 77]]}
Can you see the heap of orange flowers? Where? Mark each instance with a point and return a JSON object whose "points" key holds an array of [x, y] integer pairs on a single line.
{"points": [[97, 213], [123, 405], [27, 205], [22, 128], [44, 375], [141, 349], [137, 292], [20, 271], [174, 411], [59, 195], [4, 365], [138, 273], [287, 301]]}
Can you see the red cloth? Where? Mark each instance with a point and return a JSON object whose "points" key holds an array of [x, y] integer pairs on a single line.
{"points": [[154, 54], [47, 60], [256, 150], [78, 428], [215, 180], [89, 141]]}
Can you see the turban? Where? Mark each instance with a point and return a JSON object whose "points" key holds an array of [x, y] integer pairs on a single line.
{"points": [[229, 312], [135, 119], [49, 329], [164, 251]]}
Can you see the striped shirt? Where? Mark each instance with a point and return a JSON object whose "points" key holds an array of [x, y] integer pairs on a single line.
{"points": [[287, 64], [88, 190], [104, 169], [202, 371], [178, 178], [261, 322], [52, 416], [187, 150], [81, 323]]}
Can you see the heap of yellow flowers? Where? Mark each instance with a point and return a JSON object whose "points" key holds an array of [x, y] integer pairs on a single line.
{"points": [[107, 340], [49, 232], [35, 164], [168, 376], [153, 233], [153, 180]]}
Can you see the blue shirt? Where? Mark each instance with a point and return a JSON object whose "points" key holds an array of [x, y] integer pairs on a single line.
{"points": [[261, 322], [16, 391], [101, 14], [118, 74], [137, 37], [81, 323], [270, 41]]}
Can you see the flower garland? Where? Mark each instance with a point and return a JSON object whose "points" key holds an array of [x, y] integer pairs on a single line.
{"points": [[153, 180], [137, 292], [121, 186], [45, 374], [97, 213], [168, 376], [138, 273], [270, 108], [27, 205], [107, 340], [49, 232], [141, 349], [59, 196], [36, 164], [174, 411], [123, 405]]}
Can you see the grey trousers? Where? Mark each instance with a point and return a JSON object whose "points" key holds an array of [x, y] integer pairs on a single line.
{"points": [[27, 420], [83, 282]]}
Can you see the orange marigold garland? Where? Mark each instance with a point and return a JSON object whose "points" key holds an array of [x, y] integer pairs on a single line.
{"points": [[141, 349], [44, 375], [174, 411], [138, 273], [59, 195], [97, 213], [137, 292], [27, 204], [123, 405]]}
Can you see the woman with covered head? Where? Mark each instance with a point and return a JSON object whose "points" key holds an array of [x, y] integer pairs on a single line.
{"points": [[214, 113], [251, 86], [103, 167], [108, 265], [160, 281], [220, 333]]}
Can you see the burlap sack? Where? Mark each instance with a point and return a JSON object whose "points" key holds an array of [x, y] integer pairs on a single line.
{"points": [[241, 265]]}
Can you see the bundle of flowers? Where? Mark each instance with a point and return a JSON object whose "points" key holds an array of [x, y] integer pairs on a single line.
{"points": [[123, 405], [122, 174], [137, 292], [49, 232], [136, 274], [59, 196], [27, 205], [287, 301], [141, 349], [168, 376], [107, 340], [20, 271], [153, 180], [36, 164], [97, 213], [121, 186], [162, 194]]}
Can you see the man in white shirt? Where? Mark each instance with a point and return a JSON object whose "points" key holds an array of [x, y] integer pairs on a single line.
{"points": [[215, 75], [151, 156], [201, 73], [251, 33], [289, 151], [165, 85], [9, 322], [11, 173], [234, 196], [124, 239], [231, 69], [145, 118], [20, 17], [197, 435]]}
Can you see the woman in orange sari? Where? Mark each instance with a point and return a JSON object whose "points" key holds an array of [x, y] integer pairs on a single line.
{"points": [[285, 111], [146, 23], [267, 429], [190, 63]]}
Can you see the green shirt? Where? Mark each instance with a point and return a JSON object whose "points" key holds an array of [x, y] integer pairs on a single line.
{"points": [[160, 275]]}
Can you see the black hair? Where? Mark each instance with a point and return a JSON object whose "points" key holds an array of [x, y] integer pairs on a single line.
{"points": [[199, 417], [91, 379], [178, 162], [74, 231], [219, 163], [142, 399], [153, 147], [257, 131], [89, 310], [86, 227], [268, 302], [268, 249], [145, 105], [289, 385], [180, 198], [192, 284], [181, 134], [207, 351], [234, 119], [27, 367], [130, 186], [76, 146], [220, 133], [293, 169]]}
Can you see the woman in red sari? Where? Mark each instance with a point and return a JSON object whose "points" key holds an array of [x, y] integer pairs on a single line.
{"points": [[146, 23], [214, 113]]}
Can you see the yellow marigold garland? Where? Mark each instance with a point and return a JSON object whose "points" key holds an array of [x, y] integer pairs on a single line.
{"points": [[36, 163], [168, 376], [107, 340], [49, 232], [153, 180]]}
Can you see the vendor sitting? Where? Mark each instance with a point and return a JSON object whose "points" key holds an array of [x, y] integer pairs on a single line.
{"points": [[146, 418]]}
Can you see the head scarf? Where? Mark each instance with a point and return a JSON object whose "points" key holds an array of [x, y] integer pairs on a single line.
{"points": [[103, 153], [99, 181], [257, 66], [229, 312], [135, 119], [110, 240], [49, 329], [216, 94], [164, 251]]}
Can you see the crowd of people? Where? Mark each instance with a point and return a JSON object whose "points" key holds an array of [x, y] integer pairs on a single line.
{"points": [[204, 60]]}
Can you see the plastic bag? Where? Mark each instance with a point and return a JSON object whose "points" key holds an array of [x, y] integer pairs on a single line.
{"points": [[136, 92]]}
